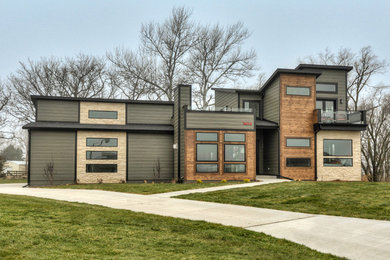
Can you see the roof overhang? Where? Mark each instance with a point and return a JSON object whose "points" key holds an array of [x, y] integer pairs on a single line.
{"points": [[323, 67], [340, 127]]}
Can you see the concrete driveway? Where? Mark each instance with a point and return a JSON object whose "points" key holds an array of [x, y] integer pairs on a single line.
{"points": [[353, 238]]}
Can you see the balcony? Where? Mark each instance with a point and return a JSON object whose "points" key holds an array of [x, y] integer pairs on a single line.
{"points": [[340, 120]]}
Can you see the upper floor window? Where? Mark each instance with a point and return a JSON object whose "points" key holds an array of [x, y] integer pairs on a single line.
{"points": [[102, 142], [326, 87], [337, 147], [298, 142], [102, 114], [254, 105], [298, 91]]}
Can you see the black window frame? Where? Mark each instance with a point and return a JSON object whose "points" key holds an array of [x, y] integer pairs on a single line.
{"points": [[306, 158], [196, 167], [207, 144], [255, 101], [301, 87], [328, 83], [224, 153], [224, 137], [323, 147], [88, 164], [90, 117], [330, 158], [206, 133], [87, 152], [86, 141], [300, 138], [224, 169]]}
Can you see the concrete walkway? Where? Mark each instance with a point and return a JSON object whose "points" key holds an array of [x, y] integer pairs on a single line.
{"points": [[349, 237]]}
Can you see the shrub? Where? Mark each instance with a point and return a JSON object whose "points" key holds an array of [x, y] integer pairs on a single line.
{"points": [[100, 180], [223, 181], [247, 180], [199, 181]]}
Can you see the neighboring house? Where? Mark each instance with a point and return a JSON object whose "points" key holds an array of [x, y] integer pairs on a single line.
{"points": [[14, 166], [297, 126]]}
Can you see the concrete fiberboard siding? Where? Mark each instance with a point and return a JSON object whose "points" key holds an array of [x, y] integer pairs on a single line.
{"points": [[58, 110], [326, 173], [249, 97], [149, 114], [271, 102], [223, 99], [220, 120], [144, 153], [57, 147], [334, 76]]}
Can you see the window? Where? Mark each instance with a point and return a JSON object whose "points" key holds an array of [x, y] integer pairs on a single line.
{"points": [[326, 88], [102, 155], [234, 137], [254, 105], [235, 168], [337, 147], [103, 114], [298, 142], [102, 142], [338, 162], [298, 162], [206, 152], [234, 152], [298, 91], [101, 168], [207, 137], [207, 167]]}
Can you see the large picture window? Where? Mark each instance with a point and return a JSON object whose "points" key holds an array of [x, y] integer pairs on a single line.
{"points": [[102, 155], [298, 142], [101, 168], [102, 142], [103, 114], [207, 152], [298, 91], [337, 147], [298, 162], [234, 152]]}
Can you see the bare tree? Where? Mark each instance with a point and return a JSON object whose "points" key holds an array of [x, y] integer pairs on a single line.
{"points": [[83, 76], [217, 57], [376, 139]]}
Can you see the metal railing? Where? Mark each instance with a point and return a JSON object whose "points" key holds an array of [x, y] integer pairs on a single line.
{"points": [[340, 117], [223, 109]]}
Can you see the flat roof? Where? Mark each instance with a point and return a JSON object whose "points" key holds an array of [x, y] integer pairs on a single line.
{"points": [[34, 98], [322, 66], [238, 90]]}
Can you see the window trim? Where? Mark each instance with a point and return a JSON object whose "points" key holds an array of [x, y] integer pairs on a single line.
{"points": [[323, 146], [328, 92], [298, 147], [86, 167], [86, 141], [224, 153], [324, 158], [196, 167], [299, 166], [196, 136], [240, 163], [86, 155], [224, 137], [92, 110], [196, 151], [307, 87]]}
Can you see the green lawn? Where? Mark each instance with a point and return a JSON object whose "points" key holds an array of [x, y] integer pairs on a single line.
{"points": [[35, 228], [349, 199], [142, 188], [13, 181]]}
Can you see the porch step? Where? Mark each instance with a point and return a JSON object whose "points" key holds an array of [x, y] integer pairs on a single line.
{"points": [[262, 177]]}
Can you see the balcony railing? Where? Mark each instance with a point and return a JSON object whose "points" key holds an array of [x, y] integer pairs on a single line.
{"points": [[226, 109], [340, 117]]}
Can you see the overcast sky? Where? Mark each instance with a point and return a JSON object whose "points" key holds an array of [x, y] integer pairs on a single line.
{"points": [[282, 31]]}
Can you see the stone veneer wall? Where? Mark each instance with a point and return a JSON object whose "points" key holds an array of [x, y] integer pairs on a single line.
{"points": [[119, 176], [339, 173], [103, 106]]}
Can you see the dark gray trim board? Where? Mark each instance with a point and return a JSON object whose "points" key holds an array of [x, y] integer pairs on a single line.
{"points": [[339, 127], [321, 66]]}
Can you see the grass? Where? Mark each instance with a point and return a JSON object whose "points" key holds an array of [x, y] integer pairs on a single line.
{"points": [[143, 188], [349, 199], [35, 228], [13, 181]]}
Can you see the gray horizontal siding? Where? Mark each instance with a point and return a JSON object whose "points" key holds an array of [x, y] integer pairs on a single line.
{"points": [[271, 102], [149, 114], [223, 99], [334, 76], [57, 110], [52, 146], [218, 120], [249, 97], [144, 151]]}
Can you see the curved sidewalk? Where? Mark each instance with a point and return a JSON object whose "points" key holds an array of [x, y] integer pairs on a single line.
{"points": [[353, 238]]}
